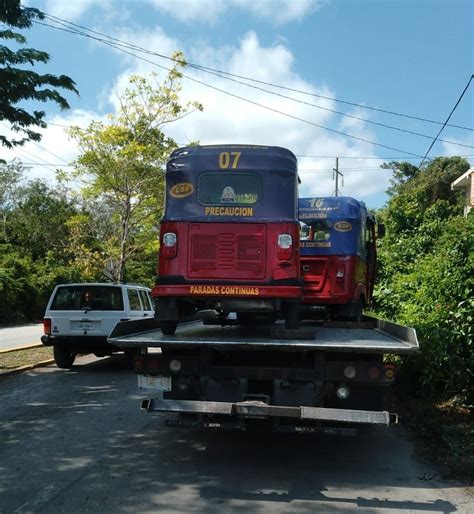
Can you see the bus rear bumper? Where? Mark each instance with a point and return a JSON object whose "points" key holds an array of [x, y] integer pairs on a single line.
{"points": [[223, 291]]}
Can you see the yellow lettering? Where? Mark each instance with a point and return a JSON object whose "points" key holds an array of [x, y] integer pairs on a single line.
{"points": [[228, 211], [224, 160], [236, 156]]}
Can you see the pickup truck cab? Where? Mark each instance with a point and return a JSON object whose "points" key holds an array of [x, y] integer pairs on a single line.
{"points": [[80, 317]]}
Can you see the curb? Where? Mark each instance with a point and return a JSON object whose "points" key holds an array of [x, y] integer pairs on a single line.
{"points": [[36, 345], [26, 368]]}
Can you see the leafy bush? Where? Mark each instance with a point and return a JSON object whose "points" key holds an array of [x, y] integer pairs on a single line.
{"points": [[426, 280]]}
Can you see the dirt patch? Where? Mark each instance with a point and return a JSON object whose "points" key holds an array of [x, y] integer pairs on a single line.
{"points": [[444, 432], [18, 358]]}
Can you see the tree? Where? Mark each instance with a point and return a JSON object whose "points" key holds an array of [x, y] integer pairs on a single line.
{"points": [[10, 176], [402, 172], [34, 249], [122, 168], [425, 276], [18, 84], [37, 223]]}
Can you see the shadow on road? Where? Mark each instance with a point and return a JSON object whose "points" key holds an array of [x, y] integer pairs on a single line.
{"points": [[76, 438]]}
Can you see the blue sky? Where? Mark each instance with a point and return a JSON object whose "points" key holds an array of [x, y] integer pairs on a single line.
{"points": [[412, 57]]}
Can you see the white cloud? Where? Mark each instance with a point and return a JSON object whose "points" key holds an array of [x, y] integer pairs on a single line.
{"points": [[55, 147], [68, 10], [451, 149], [281, 11], [227, 119], [208, 11], [72, 10]]}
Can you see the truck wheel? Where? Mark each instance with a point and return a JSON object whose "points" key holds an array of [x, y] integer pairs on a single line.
{"points": [[246, 318], [63, 357], [292, 316], [168, 327]]}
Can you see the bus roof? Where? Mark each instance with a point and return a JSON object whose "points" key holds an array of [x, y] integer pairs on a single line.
{"points": [[250, 157], [330, 208]]}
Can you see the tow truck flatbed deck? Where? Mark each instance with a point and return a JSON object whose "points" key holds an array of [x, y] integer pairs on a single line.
{"points": [[373, 336]]}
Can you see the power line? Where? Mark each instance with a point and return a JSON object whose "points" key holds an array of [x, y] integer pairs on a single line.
{"points": [[446, 122], [46, 164], [224, 75], [33, 163], [243, 98], [39, 146], [351, 116], [370, 157], [221, 72]]}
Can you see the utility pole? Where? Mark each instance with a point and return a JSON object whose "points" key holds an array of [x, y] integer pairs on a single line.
{"points": [[336, 176]]}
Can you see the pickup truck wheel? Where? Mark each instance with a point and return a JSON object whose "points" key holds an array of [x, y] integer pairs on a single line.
{"points": [[63, 357], [292, 316], [168, 327]]}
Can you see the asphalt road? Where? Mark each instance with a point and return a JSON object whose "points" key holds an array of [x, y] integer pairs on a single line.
{"points": [[75, 441], [16, 337]]}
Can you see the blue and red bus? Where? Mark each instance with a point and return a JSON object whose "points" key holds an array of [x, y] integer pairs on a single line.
{"points": [[338, 255], [229, 237]]}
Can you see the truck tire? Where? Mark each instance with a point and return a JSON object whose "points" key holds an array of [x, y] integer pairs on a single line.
{"points": [[292, 316], [168, 327], [63, 357], [246, 318]]}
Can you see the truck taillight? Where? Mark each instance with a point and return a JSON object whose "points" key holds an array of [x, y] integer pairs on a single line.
{"points": [[340, 274], [47, 326], [285, 247], [170, 245]]}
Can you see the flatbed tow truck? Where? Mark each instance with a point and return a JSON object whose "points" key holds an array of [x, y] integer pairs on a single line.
{"points": [[325, 376]]}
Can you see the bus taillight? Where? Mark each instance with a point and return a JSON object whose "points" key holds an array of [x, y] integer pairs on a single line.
{"points": [[285, 247], [170, 245]]}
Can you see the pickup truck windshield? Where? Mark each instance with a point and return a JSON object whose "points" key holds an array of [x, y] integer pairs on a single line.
{"points": [[79, 298]]}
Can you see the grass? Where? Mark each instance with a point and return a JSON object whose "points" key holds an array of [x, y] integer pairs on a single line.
{"points": [[18, 358]]}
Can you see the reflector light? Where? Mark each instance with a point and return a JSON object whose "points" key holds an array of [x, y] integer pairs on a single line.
{"points": [[170, 248], [285, 241], [152, 365], [47, 326], [350, 372], [139, 364], [374, 373], [169, 239], [285, 247], [389, 371], [340, 273], [342, 392], [175, 365]]}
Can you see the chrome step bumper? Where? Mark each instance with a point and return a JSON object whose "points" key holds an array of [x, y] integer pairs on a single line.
{"points": [[257, 409]]}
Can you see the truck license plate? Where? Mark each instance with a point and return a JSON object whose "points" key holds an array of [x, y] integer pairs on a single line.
{"points": [[158, 383]]}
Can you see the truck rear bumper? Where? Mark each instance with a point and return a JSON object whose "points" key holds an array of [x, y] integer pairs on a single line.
{"points": [[261, 410]]}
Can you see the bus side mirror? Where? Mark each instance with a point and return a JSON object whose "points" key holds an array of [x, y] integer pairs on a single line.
{"points": [[380, 230]]}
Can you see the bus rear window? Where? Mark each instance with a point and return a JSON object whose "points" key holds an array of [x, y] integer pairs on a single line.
{"points": [[315, 231], [229, 188], [79, 298]]}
